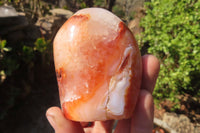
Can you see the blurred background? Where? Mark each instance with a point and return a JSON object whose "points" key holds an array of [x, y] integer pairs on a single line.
{"points": [[168, 29]]}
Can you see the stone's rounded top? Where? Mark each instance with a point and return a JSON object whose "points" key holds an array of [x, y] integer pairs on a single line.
{"points": [[99, 13], [92, 23], [8, 11], [102, 15]]}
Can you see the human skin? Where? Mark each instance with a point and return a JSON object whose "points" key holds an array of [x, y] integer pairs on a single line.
{"points": [[141, 120]]}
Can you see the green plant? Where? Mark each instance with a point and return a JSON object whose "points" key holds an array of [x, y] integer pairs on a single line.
{"points": [[99, 3], [172, 32], [28, 54], [17, 69], [1, 3], [43, 46], [3, 48], [118, 10], [7, 64], [83, 5]]}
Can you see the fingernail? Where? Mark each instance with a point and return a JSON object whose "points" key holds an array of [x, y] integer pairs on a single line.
{"points": [[51, 121]]}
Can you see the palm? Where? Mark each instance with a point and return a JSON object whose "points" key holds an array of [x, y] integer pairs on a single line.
{"points": [[141, 121]]}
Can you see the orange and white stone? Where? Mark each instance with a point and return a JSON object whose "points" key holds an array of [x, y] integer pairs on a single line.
{"points": [[98, 66]]}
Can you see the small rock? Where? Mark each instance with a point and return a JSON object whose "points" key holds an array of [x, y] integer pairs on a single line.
{"points": [[134, 26], [61, 12], [181, 123], [17, 23], [49, 25], [171, 119], [11, 21], [7, 11]]}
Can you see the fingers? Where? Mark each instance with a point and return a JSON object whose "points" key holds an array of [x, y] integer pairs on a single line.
{"points": [[60, 123], [143, 115], [151, 67], [123, 126], [142, 120], [103, 126]]}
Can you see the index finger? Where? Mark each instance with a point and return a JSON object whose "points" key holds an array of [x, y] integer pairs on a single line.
{"points": [[151, 67]]}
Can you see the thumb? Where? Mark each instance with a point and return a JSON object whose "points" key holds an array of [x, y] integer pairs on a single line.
{"points": [[60, 123], [142, 120]]}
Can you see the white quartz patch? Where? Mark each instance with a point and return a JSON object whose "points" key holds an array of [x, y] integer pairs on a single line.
{"points": [[101, 24], [118, 86], [116, 101]]}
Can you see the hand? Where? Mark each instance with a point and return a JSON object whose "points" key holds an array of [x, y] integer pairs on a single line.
{"points": [[141, 121]]}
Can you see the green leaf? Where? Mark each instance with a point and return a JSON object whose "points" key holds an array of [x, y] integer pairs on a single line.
{"points": [[2, 44], [7, 49]]}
